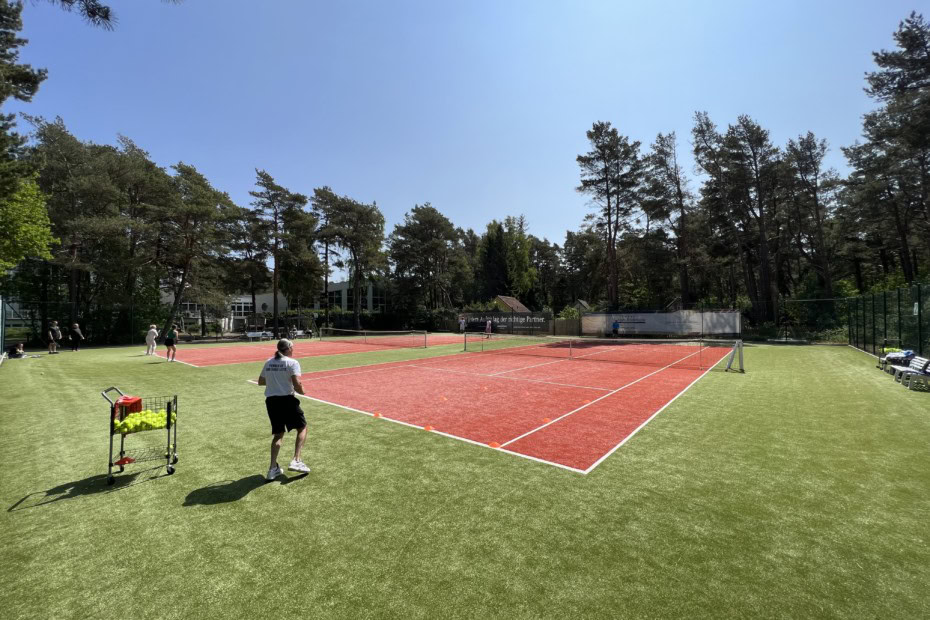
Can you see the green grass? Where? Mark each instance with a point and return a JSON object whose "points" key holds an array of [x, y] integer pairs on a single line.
{"points": [[798, 490]]}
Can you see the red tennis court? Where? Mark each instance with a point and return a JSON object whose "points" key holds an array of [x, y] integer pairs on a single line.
{"points": [[257, 352], [571, 413]]}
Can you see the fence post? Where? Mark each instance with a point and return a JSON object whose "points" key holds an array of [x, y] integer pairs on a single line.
{"points": [[898, 306], [849, 328], [873, 323], [920, 337], [864, 324], [856, 321], [884, 319]]}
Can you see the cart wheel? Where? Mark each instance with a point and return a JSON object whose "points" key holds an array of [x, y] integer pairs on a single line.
{"points": [[110, 479], [170, 470], [175, 459]]}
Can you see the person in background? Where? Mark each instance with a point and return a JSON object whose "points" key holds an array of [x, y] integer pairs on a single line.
{"points": [[487, 329], [54, 337], [281, 378], [150, 337], [171, 337], [17, 351], [616, 328], [462, 324], [76, 337]]}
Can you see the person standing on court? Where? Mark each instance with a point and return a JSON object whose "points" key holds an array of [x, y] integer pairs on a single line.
{"points": [[281, 378], [487, 329], [462, 324], [76, 337], [150, 337], [54, 337], [171, 337]]}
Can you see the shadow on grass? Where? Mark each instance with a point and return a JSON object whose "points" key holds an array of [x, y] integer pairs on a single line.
{"points": [[231, 490], [94, 485]]}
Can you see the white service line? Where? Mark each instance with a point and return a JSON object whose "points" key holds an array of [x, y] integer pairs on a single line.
{"points": [[383, 366], [561, 359], [497, 376], [622, 387], [456, 437], [661, 409]]}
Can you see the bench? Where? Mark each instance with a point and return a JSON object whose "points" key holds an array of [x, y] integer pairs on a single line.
{"points": [[259, 335], [917, 377], [918, 366], [890, 360]]}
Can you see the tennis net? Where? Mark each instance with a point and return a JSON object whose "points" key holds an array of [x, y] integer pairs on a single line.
{"points": [[403, 339], [696, 353]]}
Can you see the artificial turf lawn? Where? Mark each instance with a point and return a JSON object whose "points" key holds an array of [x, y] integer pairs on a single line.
{"points": [[798, 490]]}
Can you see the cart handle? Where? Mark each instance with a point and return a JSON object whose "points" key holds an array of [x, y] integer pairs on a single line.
{"points": [[104, 393]]}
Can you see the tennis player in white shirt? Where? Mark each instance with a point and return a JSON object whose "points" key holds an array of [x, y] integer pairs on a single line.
{"points": [[281, 378]]}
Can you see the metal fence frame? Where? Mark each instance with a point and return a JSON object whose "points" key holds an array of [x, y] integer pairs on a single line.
{"points": [[898, 319]]}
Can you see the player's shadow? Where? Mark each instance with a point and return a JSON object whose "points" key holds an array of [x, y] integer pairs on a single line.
{"points": [[231, 490], [94, 485]]}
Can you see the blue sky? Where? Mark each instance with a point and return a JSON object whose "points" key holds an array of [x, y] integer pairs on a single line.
{"points": [[478, 107]]}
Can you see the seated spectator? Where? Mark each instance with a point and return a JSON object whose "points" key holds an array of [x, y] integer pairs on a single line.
{"points": [[16, 351]]}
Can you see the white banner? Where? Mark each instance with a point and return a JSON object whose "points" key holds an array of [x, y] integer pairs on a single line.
{"points": [[680, 323]]}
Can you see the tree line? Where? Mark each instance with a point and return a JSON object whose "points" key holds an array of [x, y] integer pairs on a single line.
{"points": [[105, 229]]}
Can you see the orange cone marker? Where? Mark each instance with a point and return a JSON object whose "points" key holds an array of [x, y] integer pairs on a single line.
{"points": [[494, 444], [546, 420], [427, 428], [376, 414]]}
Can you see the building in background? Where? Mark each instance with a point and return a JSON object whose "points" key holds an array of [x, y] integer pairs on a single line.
{"points": [[238, 316]]}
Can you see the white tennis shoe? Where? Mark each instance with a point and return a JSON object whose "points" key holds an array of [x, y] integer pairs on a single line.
{"points": [[299, 466]]}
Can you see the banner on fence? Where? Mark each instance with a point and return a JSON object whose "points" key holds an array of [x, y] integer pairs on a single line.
{"points": [[679, 323], [509, 322]]}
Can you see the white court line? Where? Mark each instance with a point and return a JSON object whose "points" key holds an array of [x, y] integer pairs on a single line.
{"points": [[176, 360], [449, 435], [661, 409], [383, 366], [562, 359], [497, 376], [623, 387]]}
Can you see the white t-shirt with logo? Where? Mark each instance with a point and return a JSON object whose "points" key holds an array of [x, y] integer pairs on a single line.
{"points": [[278, 373]]}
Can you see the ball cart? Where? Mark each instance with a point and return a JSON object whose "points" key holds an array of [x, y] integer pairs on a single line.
{"points": [[134, 414]]}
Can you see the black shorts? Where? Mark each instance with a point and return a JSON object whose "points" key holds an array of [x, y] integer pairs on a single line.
{"points": [[169, 342], [285, 414]]}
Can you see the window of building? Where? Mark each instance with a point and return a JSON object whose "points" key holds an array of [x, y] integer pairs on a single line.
{"points": [[378, 301], [242, 309]]}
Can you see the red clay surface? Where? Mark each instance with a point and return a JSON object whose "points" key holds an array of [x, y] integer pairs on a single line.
{"points": [[242, 353], [570, 413]]}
